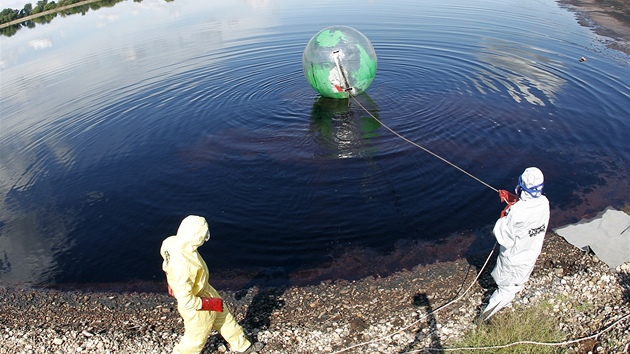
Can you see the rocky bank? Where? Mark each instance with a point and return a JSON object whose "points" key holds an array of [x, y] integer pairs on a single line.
{"points": [[401, 313]]}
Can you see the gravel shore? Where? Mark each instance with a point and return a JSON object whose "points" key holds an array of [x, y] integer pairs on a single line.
{"points": [[400, 313]]}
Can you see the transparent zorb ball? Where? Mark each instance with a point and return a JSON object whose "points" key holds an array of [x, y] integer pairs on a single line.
{"points": [[339, 62]]}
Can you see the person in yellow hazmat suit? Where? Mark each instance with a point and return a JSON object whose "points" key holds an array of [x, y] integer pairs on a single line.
{"points": [[520, 232], [198, 302]]}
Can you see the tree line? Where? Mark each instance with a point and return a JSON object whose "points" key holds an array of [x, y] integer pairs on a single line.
{"points": [[11, 20]]}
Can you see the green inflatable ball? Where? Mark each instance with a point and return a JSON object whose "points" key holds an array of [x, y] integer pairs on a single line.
{"points": [[339, 62]]}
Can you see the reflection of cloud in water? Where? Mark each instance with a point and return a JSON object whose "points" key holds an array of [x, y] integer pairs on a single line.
{"points": [[33, 233], [519, 70], [40, 43], [27, 254], [257, 4], [34, 227], [128, 54]]}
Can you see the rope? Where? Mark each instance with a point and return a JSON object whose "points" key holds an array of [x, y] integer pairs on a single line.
{"points": [[426, 315], [423, 148], [606, 329]]}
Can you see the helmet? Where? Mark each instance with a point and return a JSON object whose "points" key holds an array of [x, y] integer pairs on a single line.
{"points": [[531, 181]]}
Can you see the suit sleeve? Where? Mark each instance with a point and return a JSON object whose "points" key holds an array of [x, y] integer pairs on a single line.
{"points": [[182, 286], [504, 231]]}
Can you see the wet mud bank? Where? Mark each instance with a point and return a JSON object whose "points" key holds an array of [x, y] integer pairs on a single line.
{"points": [[609, 18]]}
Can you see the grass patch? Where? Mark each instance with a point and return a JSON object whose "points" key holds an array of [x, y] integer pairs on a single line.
{"points": [[533, 324], [568, 302]]}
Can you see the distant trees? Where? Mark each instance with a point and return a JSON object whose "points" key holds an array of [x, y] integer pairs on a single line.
{"points": [[8, 15], [35, 14]]}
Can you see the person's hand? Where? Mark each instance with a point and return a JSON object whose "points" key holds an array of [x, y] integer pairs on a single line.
{"points": [[211, 304], [507, 197], [170, 291]]}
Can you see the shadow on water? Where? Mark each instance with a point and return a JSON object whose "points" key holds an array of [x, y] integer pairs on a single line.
{"points": [[422, 301]]}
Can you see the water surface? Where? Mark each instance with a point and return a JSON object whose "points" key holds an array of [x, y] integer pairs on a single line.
{"points": [[117, 124]]}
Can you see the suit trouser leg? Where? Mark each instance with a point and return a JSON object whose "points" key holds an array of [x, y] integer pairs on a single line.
{"points": [[197, 328], [231, 331], [500, 298]]}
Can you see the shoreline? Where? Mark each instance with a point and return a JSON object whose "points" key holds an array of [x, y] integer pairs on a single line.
{"points": [[608, 18], [393, 314]]}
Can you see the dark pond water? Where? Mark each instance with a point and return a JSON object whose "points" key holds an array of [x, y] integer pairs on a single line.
{"points": [[117, 124]]}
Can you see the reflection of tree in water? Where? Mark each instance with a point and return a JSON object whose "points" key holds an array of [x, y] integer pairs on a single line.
{"points": [[44, 12]]}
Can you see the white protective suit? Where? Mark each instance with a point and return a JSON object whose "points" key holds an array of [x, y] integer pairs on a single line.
{"points": [[520, 235], [187, 276]]}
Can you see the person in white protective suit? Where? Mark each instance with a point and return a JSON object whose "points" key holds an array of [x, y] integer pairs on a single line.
{"points": [[520, 232], [198, 302]]}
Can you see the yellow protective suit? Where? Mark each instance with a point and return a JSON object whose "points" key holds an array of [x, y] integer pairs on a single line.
{"points": [[187, 276]]}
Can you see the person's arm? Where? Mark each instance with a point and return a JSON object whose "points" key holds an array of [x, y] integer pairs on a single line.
{"points": [[181, 289], [504, 231], [181, 286]]}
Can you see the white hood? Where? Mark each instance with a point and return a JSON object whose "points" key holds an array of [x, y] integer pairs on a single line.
{"points": [[532, 179]]}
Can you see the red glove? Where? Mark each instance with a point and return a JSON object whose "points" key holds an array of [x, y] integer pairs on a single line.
{"points": [[211, 304], [507, 197]]}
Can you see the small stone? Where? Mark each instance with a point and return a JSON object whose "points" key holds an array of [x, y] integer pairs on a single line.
{"points": [[57, 341]]}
